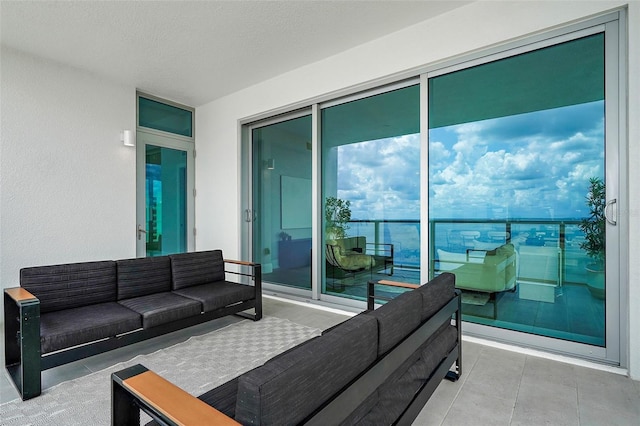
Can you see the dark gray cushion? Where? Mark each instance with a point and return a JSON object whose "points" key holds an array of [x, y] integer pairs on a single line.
{"points": [[396, 393], [436, 293], [71, 285], [289, 388], [71, 327], [143, 276], [161, 308], [397, 318], [191, 269], [218, 295]]}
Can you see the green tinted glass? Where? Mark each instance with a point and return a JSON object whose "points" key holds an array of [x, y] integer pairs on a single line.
{"points": [[159, 116], [566, 74]]}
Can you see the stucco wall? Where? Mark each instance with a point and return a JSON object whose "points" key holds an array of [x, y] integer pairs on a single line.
{"points": [[68, 183], [471, 28]]}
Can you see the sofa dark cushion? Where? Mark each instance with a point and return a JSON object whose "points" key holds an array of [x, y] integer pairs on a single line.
{"points": [[71, 327], [72, 285], [289, 388], [162, 308], [399, 390], [143, 276], [396, 319], [218, 295], [192, 269], [436, 293]]}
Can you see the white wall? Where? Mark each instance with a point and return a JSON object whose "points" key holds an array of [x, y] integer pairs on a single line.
{"points": [[470, 28], [68, 183]]}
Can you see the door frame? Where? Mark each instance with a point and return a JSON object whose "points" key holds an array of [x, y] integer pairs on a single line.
{"points": [[146, 137]]}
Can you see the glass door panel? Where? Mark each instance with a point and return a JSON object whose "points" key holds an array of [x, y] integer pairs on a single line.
{"points": [[282, 228], [165, 200], [515, 149], [371, 191]]}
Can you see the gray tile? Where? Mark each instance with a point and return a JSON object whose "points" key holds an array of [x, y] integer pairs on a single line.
{"points": [[439, 404], [479, 406], [596, 415], [608, 391], [497, 372], [544, 371], [7, 391], [63, 373], [545, 403]]}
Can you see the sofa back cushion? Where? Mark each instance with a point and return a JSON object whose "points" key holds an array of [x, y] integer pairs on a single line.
{"points": [[289, 388], [436, 293], [189, 269], [397, 318], [143, 276], [71, 285]]}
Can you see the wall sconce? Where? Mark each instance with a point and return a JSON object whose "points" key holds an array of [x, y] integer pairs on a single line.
{"points": [[271, 164], [128, 138]]}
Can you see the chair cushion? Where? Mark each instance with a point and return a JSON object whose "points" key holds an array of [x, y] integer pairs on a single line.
{"points": [[71, 285], [397, 318], [71, 327], [192, 269], [436, 293], [143, 276], [218, 295], [289, 388], [161, 308]]}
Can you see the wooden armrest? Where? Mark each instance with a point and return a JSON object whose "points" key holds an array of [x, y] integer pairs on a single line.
{"points": [[19, 294], [398, 284], [240, 262], [173, 402]]}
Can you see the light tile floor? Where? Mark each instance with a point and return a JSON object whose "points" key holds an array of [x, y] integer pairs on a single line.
{"points": [[497, 387]]}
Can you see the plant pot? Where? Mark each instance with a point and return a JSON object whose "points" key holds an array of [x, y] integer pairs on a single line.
{"points": [[595, 281]]}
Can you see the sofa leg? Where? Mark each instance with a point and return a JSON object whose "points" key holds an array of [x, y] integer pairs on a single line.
{"points": [[22, 343]]}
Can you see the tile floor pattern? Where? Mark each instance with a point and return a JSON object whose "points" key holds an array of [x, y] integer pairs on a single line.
{"points": [[498, 387]]}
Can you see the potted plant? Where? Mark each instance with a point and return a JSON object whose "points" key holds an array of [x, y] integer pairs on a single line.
{"points": [[593, 227], [337, 214]]}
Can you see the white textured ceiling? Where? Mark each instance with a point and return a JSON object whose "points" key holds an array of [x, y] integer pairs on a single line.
{"points": [[197, 51]]}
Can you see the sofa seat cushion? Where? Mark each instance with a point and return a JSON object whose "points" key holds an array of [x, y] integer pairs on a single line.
{"points": [[143, 276], [193, 269], [397, 318], [161, 308], [71, 327], [399, 390], [218, 295], [71, 285], [289, 388]]}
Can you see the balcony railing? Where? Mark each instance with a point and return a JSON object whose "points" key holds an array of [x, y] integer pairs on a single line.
{"points": [[542, 243]]}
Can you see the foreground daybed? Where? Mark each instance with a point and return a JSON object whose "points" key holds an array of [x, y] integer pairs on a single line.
{"points": [[379, 367], [63, 313]]}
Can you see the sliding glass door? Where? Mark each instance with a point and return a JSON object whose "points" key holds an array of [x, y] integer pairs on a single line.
{"points": [[371, 190], [281, 213], [518, 189], [502, 169]]}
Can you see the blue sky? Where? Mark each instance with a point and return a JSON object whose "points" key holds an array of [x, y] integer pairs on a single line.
{"points": [[535, 165]]}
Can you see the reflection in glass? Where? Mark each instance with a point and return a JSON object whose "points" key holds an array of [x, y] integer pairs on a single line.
{"points": [[371, 191], [509, 173]]}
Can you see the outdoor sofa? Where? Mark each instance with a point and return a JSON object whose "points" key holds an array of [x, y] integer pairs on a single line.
{"points": [[379, 367], [63, 313]]}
